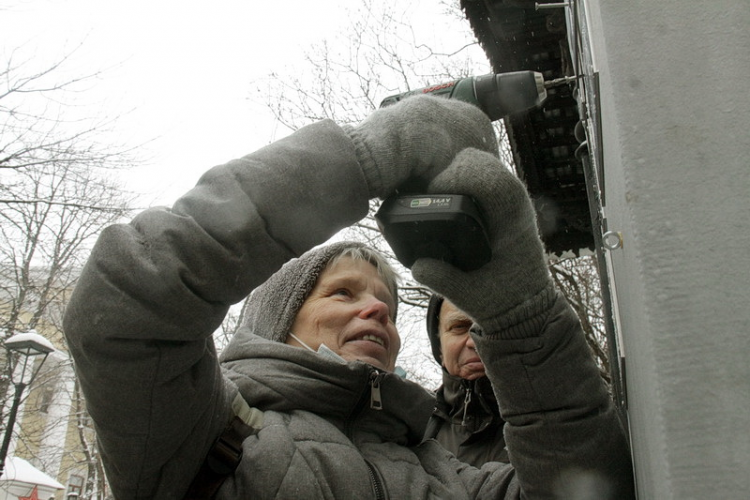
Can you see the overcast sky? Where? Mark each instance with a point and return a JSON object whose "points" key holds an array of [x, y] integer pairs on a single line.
{"points": [[180, 71]]}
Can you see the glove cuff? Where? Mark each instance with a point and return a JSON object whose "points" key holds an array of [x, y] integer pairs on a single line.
{"points": [[373, 177]]}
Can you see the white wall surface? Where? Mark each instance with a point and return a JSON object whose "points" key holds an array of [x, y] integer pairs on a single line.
{"points": [[674, 80]]}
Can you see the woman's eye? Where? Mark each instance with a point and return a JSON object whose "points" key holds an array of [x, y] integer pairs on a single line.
{"points": [[342, 291]]}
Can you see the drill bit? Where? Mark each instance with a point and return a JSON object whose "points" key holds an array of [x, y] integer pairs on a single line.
{"points": [[559, 81]]}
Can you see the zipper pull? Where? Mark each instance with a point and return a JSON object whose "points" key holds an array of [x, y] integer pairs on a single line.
{"points": [[467, 400], [376, 403]]}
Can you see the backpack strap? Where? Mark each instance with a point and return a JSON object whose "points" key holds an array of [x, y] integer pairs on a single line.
{"points": [[226, 453], [436, 421]]}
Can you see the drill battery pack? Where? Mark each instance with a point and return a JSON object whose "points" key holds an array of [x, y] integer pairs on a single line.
{"points": [[440, 226]]}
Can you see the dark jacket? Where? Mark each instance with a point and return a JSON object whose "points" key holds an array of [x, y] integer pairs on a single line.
{"points": [[140, 322], [467, 422]]}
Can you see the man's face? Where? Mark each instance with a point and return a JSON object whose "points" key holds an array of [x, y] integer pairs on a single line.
{"points": [[349, 310], [460, 357]]}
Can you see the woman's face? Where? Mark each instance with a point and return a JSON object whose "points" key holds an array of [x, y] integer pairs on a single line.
{"points": [[350, 311]]}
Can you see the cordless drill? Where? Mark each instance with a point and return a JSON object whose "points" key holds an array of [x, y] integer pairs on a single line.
{"points": [[449, 226], [498, 95]]}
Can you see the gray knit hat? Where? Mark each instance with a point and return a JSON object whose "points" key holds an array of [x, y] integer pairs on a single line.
{"points": [[273, 306]]}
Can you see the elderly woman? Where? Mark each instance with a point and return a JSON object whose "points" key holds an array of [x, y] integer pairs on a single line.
{"points": [[309, 374]]}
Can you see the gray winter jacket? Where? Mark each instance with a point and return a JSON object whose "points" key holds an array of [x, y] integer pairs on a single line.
{"points": [[139, 326]]}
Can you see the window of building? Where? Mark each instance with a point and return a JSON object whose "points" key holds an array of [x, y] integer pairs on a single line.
{"points": [[75, 486], [85, 419], [45, 401]]}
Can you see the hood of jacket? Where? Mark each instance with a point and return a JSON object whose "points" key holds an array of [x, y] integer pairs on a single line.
{"points": [[433, 326]]}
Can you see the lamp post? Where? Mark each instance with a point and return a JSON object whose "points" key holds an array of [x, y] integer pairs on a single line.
{"points": [[22, 347]]}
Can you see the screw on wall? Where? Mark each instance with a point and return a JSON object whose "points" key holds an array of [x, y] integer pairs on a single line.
{"points": [[612, 240]]}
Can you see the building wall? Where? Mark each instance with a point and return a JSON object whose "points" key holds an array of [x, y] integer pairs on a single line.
{"points": [[50, 439], [674, 114]]}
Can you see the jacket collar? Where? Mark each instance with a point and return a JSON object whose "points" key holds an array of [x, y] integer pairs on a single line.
{"points": [[452, 401], [279, 377]]}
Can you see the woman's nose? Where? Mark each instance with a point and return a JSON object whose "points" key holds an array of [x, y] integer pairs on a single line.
{"points": [[375, 308]]}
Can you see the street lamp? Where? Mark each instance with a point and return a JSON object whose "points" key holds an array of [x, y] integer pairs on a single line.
{"points": [[22, 347]]}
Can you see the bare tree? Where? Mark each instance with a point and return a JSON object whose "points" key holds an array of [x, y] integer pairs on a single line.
{"points": [[50, 213], [578, 279], [58, 189], [345, 79], [40, 121], [95, 486]]}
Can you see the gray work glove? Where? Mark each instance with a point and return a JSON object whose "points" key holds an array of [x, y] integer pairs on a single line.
{"points": [[514, 289], [416, 139]]}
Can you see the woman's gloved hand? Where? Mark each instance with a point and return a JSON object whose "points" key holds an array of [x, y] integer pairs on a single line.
{"points": [[416, 139], [514, 288]]}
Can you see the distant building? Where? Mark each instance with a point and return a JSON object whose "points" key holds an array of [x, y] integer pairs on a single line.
{"points": [[21, 479], [53, 432]]}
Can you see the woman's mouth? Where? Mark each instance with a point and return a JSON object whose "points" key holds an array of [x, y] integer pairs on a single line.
{"points": [[372, 338]]}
